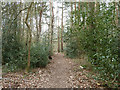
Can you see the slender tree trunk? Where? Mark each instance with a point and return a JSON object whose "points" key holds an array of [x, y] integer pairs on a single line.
{"points": [[1, 59], [31, 23], [27, 32], [75, 7], [75, 10], [71, 14], [119, 14], [58, 37], [20, 19], [36, 23], [50, 22], [119, 36], [79, 5], [40, 20], [23, 22], [16, 21], [51, 25], [48, 35], [62, 30], [28, 64], [79, 19]]}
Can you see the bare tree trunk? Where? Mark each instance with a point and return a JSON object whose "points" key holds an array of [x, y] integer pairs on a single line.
{"points": [[79, 6], [31, 23], [27, 32], [71, 14], [20, 29], [51, 25], [75, 5], [23, 22], [62, 30], [58, 37], [28, 64], [119, 34], [75, 10], [119, 14], [16, 9], [40, 20], [48, 35], [50, 22], [1, 59], [79, 19], [36, 23]]}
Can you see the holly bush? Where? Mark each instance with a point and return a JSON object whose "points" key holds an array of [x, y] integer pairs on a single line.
{"points": [[97, 36]]}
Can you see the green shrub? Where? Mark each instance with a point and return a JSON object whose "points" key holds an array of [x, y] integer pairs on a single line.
{"points": [[15, 54], [39, 55], [99, 43]]}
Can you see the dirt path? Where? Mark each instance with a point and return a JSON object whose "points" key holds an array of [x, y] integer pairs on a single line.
{"points": [[59, 73]]}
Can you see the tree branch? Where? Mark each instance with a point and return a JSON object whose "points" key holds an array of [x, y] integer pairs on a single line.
{"points": [[18, 15], [20, 12]]}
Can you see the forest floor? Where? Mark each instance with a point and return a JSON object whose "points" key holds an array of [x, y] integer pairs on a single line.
{"points": [[61, 72]]}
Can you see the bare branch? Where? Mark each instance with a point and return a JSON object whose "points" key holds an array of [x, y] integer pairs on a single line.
{"points": [[18, 15]]}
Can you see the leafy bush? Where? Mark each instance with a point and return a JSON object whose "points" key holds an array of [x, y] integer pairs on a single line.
{"points": [[71, 51], [39, 55], [15, 42], [13, 53], [100, 42]]}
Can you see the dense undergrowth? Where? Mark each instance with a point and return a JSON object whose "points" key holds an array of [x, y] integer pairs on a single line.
{"points": [[15, 55], [96, 35], [18, 39]]}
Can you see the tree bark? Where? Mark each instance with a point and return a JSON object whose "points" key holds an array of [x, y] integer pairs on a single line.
{"points": [[62, 30], [79, 5], [51, 25], [28, 63], [75, 10], [36, 23], [119, 36], [40, 20], [20, 19], [71, 14], [58, 37], [23, 22]]}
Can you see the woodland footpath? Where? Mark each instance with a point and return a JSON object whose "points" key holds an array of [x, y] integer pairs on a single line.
{"points": [[60, 44], [61, 72]]}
